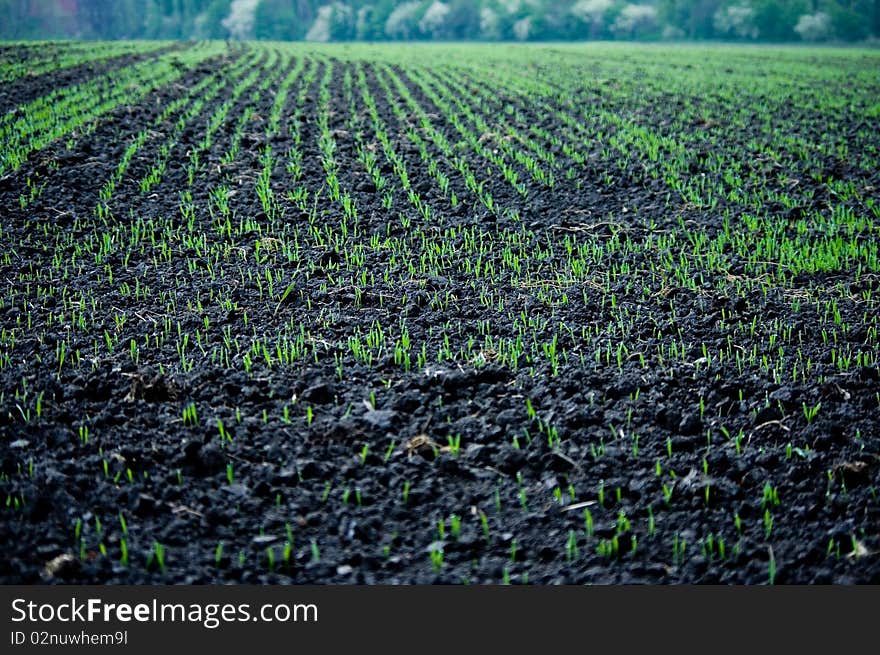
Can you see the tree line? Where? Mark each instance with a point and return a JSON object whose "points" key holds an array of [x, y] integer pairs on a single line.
{"points": [[485, 20]]}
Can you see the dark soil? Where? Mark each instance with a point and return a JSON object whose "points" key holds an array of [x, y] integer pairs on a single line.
{"points": [[29, 88], [362, 479]]}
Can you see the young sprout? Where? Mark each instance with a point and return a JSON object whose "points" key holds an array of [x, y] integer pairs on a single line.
{"points": [[455, 526], [768, 523], [679, 546], [286, 553], [771, 566], [190, 416], [484, 524], [390, 450], [436, 556], [810, 413], [157, 556], [270, 558], [571, 547], [667, 493], [221, 429], [588, 522]]}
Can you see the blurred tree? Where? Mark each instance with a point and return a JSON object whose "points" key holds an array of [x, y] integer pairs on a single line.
{"points": [[814, 27], [848, 19], [463, 20], [699, 21], [774, 20], [152, 28], [277, 20], [209, 21], [674, 12], [635, 21]]}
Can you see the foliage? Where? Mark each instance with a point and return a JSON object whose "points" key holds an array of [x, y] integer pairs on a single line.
{"points": [[379, 20]]}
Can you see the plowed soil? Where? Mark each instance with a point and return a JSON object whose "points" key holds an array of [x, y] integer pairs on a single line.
{"points": [[602, 467]]}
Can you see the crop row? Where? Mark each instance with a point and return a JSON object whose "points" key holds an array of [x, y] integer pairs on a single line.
{"points": [[586, 221], [47, 61]]}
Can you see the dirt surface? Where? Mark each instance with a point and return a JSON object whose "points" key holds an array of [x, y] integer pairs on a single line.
{"points": [[30, 87], [552, 474]]}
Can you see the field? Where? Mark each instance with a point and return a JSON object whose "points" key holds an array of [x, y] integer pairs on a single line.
{"points": [[439, 313]]}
